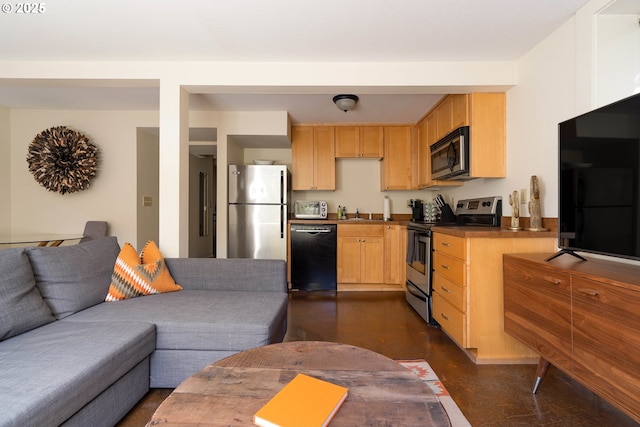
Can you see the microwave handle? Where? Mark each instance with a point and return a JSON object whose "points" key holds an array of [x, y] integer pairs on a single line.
{"points": [[451, 156]]}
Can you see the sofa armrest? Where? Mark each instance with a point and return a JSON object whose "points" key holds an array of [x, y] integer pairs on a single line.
{"points": [[232, 274]]}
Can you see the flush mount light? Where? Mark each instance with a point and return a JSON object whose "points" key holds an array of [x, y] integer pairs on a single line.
{"points": [[345, 102]]}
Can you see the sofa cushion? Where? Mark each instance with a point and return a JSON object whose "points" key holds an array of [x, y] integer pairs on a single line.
{"points": [[71, 278], [201, 320], [21, 305], [134, 275], [50, 373]]}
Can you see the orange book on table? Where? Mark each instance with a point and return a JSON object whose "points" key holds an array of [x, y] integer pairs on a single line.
{"points": [[304, 402]]}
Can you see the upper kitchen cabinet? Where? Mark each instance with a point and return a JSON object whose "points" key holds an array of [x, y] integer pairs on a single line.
{"points": [[396, 166], [488, 128], [313, 158], [485, 114], [359, 141]]}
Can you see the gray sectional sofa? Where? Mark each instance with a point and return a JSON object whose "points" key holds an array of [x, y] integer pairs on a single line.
{"points": [[69, 358]]}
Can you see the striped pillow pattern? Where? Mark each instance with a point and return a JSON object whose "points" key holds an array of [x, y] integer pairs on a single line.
{"points": [[135, 276]]}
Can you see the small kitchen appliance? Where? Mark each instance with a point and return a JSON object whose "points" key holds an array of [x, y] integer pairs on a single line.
{"points": [[310, 209], [417, 210]]}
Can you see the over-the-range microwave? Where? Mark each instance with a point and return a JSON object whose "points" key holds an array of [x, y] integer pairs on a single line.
{"points": [[450, 156], [310, 209]]}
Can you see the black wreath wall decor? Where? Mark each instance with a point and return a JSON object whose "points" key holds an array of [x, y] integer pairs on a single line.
{"points": [[62, 160]]}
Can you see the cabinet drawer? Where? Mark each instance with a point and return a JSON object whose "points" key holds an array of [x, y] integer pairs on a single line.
{"points": [[450, 245], [451, 268], [450, 319], [358, 230], [453, 293]]}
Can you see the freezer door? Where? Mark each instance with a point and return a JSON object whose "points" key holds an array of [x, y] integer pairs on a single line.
{"points": [[258, 231], [258, 184]]}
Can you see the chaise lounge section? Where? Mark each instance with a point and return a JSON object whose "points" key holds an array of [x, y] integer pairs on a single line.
{"points": [[69, 358]]}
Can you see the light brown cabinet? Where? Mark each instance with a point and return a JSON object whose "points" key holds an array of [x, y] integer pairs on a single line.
{"points": [[467, 293], [359, 141], [485, 114], [360, 253], [396, 166], [581, 317], [313, 158], [395, 250]]}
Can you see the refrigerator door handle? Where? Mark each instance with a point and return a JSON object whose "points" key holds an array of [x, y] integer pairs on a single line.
{"points": [[281, 187], [283, 220]]}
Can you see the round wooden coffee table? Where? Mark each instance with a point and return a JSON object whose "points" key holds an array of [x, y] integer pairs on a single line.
{"points": [[230, 391]]}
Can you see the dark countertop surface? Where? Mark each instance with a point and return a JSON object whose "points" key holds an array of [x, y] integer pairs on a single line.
{"points": [[452, 230]]}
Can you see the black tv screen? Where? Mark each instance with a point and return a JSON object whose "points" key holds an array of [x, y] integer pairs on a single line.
{"points": [[599, 154]]}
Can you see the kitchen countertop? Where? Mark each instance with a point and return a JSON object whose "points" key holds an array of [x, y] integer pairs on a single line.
{"points": [[452, 230], [492, 232], [347, 221]]}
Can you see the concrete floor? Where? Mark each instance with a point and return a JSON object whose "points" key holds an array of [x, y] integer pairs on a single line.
{"points": [[488, 395]]}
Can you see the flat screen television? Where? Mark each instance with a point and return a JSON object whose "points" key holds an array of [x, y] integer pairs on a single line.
{"points": [[599, 169]]}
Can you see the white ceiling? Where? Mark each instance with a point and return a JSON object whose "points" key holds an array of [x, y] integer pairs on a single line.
{"points": [[275, 30]]}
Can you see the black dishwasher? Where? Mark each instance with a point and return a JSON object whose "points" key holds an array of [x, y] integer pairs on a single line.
{"points": [[313, 257]]}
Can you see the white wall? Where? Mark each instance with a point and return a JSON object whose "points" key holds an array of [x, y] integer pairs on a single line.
{"points": [[147, 173], [5, 171], [111, 196], [617, 58]]}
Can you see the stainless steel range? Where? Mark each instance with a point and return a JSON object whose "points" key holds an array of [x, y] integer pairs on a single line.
{"points": [[484, 211]]}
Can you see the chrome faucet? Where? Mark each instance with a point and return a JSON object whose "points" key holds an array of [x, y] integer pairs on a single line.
{"points": [[357, 213]]}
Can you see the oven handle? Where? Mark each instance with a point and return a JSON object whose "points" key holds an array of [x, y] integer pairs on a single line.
{"points": [[415, 292]]}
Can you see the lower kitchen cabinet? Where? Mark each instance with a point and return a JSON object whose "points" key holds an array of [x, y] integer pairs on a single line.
{"points": [[468, 293], [395, 254], [360, 253]]}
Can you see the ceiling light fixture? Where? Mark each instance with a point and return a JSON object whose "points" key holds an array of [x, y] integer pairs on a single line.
{"points": [[345, 102]]}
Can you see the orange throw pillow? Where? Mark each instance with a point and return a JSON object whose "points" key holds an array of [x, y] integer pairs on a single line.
{"points": [[134, 275]]}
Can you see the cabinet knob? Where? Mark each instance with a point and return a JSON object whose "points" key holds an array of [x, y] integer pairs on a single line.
{"points": [[446, 267], [448, 245], [444, 316], [445, 289]]}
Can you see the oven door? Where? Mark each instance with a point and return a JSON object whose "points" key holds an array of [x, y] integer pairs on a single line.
{"points": [[419, 260]]}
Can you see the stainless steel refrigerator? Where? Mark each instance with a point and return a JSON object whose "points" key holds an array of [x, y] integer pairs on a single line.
{"points": [[259, 204]]}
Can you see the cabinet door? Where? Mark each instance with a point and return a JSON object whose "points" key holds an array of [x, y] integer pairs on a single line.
{"points": [[371, 141], [347, 141], [349, 261], [424, 154], [324, 171], [371, 259], [395, 250], [396, 164], [302, 158], [537, 309], [459, 111], [487, 120], [372, 256], [443, 117], [606, 343]]}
